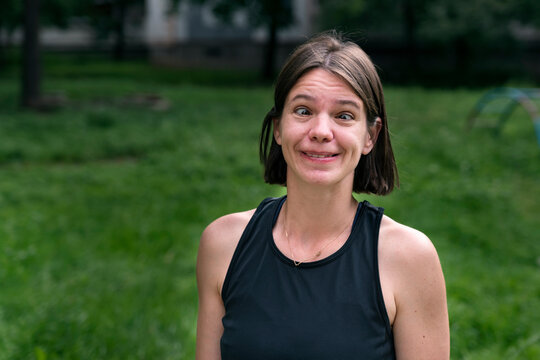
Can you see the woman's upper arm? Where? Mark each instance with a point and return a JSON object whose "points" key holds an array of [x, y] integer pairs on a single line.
{"points": [[216, 249], [420, 326]]}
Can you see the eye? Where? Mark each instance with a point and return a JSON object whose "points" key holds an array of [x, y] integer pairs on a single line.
{"points": [[302, 111], [345, 116]]}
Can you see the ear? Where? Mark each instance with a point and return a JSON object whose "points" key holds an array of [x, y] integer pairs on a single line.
{"points": [[277, 130], [372, 135]]}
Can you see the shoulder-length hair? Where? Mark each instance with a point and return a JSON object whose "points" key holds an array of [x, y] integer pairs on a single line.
{"points": [[376, 172]]}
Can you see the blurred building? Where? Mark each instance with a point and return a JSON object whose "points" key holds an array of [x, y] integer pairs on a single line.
{"points": [[189, 36], [194, 37]]}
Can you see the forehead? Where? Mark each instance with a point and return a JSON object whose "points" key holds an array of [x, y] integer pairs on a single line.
{"points": [[321, 83]]}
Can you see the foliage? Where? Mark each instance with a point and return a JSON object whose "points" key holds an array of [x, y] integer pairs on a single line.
{"points": [[360, 17], [110, 18], [477, 20], [473, 40], [102, 204], [53, 12], [10, 16], [528, 11], [260, 12], [106, 16], [273, 15], [436, 21], [58, 12]]}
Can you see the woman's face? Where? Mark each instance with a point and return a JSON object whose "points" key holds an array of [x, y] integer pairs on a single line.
{"points": [[322, 131]]}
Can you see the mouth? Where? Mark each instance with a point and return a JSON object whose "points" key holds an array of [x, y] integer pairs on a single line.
{"points": [[319, 155]]}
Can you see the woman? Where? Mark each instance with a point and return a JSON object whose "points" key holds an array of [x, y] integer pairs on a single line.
{"points": [[314, 274]]}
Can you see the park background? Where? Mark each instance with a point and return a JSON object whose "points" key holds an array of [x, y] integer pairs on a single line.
{"points": [[126, 126]]}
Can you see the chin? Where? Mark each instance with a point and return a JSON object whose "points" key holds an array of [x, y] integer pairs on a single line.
{"points": [[323, 180]]}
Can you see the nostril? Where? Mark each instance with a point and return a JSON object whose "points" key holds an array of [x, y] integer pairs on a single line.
{"points": [[321, 134]]}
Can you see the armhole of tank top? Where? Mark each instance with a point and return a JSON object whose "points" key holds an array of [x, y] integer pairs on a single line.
{"points": [[380, 298], [234, 259]]}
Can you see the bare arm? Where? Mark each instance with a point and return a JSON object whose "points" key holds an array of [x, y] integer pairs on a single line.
{"points": [[413, 275], [216, 249]]}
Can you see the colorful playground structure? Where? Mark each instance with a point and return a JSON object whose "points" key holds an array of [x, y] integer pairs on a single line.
{"points": [[502, 102]]}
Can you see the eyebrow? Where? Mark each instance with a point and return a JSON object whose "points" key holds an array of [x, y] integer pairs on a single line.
{"points": [[341, 102], [349, 102], [303, 96]]}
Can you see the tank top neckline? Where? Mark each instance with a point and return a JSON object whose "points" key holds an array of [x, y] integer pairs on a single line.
{"points": [[316, 263]]}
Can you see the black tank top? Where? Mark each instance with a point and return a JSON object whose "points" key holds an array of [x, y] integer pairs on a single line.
{"points": [[327, 309]]}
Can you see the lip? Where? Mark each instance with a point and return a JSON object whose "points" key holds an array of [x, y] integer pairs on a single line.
{"points": [[319, 156]]}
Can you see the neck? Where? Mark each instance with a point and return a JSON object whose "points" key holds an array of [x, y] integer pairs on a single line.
{"points": [[314, 214]]}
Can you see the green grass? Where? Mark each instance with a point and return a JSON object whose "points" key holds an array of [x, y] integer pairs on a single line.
{"points": [[102, 203]]}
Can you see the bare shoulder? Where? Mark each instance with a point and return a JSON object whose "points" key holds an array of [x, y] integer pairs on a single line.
{"points": [[404, 245], [220, 238], [226, 229], [408, 261], [217, 245], [414, 292], [216, 248]]}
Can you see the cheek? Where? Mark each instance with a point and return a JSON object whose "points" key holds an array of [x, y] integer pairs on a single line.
{"points": [[356, 140], [291, 133]]}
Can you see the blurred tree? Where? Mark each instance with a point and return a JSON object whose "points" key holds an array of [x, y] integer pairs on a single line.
{"points": [[32, 13], [110, 18], [528, 12], [57, 12], [399, 20], [469, 25], [272, 14], [466, 26], [51, 12], [31, 62], [10, 19], [107, 17], [412, 11]]}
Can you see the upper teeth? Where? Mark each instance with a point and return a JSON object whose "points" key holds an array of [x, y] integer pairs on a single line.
{"points": [[318, 156]]}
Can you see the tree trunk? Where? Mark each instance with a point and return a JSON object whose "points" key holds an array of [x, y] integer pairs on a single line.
{"points": [[271, 47], [410, 25], [2, 46], [119, 14], [31, 59]]}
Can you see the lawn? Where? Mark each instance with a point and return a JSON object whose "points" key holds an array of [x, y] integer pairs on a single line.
{"points": [[102, 203]]}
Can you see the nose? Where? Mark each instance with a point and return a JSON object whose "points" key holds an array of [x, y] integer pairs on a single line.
{"points": [[321, 130]]}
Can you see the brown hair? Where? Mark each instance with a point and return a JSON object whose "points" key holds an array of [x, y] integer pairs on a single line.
{"points": [[376, 172]]}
